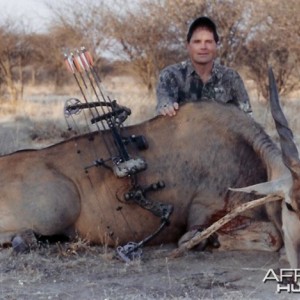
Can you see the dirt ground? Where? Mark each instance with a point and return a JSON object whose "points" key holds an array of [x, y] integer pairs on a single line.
{"points": [[79, 271]]}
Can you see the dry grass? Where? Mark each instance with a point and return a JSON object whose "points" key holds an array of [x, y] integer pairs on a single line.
{"points": [[46, 274], [291, 108], [41, 114], [38, 120]]}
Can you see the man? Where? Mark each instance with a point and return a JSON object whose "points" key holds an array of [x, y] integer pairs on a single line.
{"points": [[200, 77]]}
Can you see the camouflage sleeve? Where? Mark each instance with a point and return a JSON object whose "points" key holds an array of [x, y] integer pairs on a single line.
{"points": [[240, 95], [167, 89]]}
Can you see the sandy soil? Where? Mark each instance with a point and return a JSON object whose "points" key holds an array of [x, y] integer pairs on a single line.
{"points": [[78, 271]]}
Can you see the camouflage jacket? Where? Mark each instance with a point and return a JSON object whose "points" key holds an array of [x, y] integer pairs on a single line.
{"points": [[180, 83]]}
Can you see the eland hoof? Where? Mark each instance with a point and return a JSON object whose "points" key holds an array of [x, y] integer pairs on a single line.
{"points": [[19, 245]]}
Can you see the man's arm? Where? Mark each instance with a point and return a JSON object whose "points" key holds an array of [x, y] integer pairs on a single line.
{"points": [[167, 93], [240, 95]]}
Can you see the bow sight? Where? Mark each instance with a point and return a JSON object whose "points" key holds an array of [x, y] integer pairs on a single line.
{"points": [[107, 114]]}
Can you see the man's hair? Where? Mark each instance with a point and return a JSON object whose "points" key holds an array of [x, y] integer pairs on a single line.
{"points": [[204, 22]]}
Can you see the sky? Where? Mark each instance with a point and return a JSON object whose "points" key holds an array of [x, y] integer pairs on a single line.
{"points": [[34, 13]]}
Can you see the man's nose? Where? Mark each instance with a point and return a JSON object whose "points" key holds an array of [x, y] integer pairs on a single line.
{"points": [[203, 45]]}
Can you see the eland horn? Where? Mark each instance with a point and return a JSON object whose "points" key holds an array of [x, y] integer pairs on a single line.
{"points": [[289, 150]]}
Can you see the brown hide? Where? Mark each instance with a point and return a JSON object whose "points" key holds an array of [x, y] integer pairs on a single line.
{"points": [[199, 153]]}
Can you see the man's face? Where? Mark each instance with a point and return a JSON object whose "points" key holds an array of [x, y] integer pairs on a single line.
{"points": [[202, 47]]}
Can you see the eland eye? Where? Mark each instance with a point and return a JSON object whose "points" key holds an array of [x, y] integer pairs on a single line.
{"points": [[289, 207]]}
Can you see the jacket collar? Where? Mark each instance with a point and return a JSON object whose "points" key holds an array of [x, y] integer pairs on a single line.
{"points": [[217, 69]]}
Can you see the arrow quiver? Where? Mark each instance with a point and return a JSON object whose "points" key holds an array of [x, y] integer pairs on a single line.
{"points": [[107, 115]]}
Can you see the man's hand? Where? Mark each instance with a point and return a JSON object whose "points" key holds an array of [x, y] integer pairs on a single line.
{"points": [[169, 109]]}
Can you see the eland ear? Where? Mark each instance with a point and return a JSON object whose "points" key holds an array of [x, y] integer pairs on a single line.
{"points": [[278, 186], [289, 150]]}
